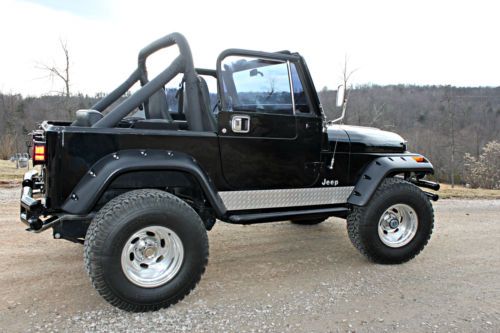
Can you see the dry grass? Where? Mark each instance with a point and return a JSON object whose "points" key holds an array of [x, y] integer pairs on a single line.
{"points": [[12, 177], [461, 192], [9, 175]]}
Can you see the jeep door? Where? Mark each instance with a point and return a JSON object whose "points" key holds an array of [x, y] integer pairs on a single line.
{"points": [[269, 135]]}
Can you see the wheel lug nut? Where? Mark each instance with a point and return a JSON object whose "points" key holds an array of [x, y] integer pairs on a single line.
{"points": [[394, 224]]}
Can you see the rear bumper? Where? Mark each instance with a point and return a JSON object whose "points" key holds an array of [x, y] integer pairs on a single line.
{"points": [[31, 209], [34, 210]]}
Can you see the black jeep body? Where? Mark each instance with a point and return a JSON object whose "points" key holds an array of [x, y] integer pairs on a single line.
{"points": [[254, 157]]}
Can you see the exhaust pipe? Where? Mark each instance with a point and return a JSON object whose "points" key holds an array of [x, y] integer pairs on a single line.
{"points": [[432, 196], [427, 184]]}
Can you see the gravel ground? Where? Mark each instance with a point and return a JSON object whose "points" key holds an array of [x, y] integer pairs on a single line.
{"points": [[275, 277]]}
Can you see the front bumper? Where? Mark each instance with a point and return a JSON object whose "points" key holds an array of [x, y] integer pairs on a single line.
{"points": [[31, 209]]}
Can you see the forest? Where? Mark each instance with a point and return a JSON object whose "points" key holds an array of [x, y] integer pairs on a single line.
{"points": [[456, 128], [450, 125]]}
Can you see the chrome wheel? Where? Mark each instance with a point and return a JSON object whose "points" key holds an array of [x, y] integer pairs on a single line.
{"points": [[398, 225], [152, 256]]}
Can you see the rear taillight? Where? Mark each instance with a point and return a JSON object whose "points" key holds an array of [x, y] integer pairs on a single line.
{"points": [[39, 153]]}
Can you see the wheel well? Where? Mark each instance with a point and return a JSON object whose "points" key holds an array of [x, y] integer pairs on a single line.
{"points": [[179, 183], [381, 168]]}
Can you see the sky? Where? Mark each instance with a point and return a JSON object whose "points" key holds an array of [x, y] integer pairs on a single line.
{"points": [[386, 42]]}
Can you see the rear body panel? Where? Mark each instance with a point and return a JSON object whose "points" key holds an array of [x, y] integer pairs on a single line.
{"points": [[73, 151]]}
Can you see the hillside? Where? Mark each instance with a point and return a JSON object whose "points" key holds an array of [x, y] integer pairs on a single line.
{"points": [[442, 123]]}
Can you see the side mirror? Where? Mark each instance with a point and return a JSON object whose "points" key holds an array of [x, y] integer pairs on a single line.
{"points": [[340, 95]]}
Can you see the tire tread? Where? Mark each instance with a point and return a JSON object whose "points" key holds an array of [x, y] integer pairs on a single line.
{"points": [[101, 225], [358, 215]]}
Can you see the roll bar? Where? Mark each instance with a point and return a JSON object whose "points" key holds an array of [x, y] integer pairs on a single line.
{"points": [[181, 64]]}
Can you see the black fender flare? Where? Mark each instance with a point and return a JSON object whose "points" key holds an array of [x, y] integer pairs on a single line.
{"points": [[381, 168], [89, 189]]}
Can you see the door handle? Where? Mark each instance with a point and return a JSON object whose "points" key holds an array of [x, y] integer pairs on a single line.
{"points": [[240, 124]]}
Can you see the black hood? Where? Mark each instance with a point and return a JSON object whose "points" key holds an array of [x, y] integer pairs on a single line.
{"points": [[367, 139]]}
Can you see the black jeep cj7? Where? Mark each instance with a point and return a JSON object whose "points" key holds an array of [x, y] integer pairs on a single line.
{"points": [[140, 185]]}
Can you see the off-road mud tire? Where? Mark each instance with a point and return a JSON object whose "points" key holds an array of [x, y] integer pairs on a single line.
{"points": [[117, 221], [362, 222]]}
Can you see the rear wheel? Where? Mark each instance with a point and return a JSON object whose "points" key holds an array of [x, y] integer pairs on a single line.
{"points": [[395, 225], [145, 250]]}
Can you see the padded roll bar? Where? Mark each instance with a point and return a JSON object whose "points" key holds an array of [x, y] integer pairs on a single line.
{"points": [[182, 64]]}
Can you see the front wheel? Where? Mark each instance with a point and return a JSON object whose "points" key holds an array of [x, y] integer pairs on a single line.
{"points": [[395, 225], [145, 250]]}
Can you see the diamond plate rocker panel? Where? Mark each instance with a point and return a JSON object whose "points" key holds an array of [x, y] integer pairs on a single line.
{"points": [[242, 200]]}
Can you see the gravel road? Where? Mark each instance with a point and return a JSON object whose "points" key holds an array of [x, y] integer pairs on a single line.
{"points": [[275, 277]]}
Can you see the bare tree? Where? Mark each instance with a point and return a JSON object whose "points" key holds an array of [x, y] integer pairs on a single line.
{"points": [[328, 100], [62, 74], [450, 110], [11, 107], [272, 86], [346, 77], [377, 114]]}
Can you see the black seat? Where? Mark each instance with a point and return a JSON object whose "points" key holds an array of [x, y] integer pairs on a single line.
{"points": [[159, 117], [158, 106], [208, 118], [208, 121]]}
